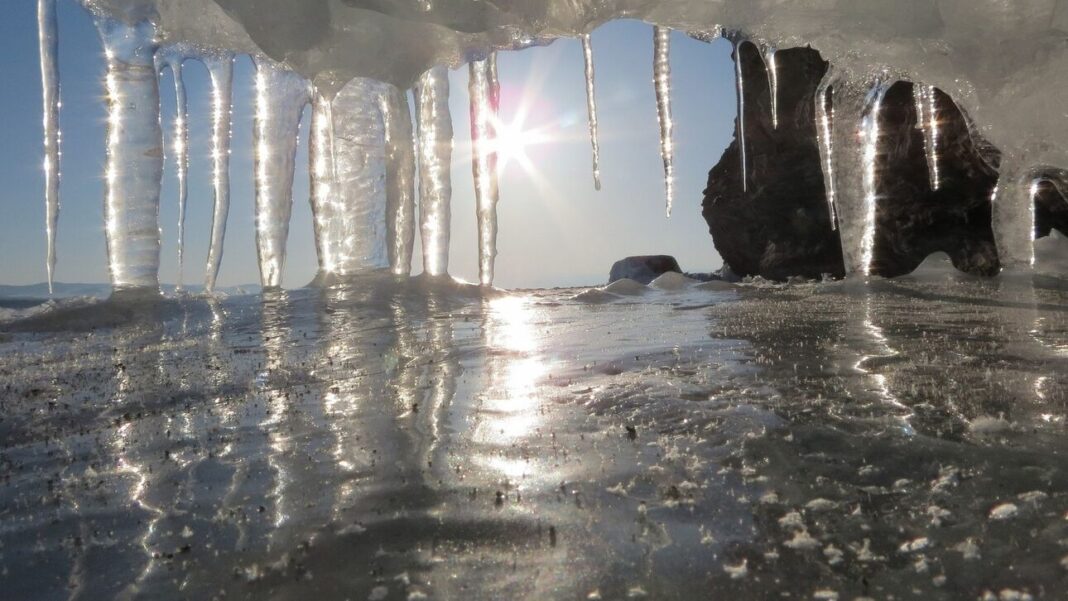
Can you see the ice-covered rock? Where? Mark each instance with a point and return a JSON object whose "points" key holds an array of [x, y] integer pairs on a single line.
{"points": [[780, 225], [643, 269]]}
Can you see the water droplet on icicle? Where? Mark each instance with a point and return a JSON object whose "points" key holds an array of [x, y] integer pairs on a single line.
{"points": [[662, 85]]}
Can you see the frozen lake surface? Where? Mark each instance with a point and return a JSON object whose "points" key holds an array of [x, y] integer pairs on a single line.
{"points": [[902, 439]]}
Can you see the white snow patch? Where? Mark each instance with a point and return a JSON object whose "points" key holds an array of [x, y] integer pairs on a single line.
{"points": [[1004, 511]]}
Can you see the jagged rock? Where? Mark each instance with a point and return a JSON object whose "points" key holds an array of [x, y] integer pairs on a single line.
{"points": [[912, 221], [781, 227], [1051, 209], [643, 269]]}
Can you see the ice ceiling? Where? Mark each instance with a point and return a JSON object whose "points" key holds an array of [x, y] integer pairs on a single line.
{"points": [[1005, 62]]}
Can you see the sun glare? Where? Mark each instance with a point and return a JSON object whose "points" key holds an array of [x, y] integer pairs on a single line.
{"points": [[513, 139]]}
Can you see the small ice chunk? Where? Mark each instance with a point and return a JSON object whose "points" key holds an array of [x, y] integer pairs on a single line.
{"points": [[825, 595], [969, 549], [378, 593], [1004, 511], [636, 592], [821, 504], [739, 571], [802, 540], [186, 532], [792, 520], [914, 545], [1034, 496], [833, 554], [986, 425], [671, 281], [626, 287]]}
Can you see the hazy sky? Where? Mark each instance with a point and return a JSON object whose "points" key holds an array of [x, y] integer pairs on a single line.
{"points": [[555, 229]]}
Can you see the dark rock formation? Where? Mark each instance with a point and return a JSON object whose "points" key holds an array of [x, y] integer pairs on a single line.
{"points": [[1051, 209], [782, 226], [643, 269], [913, 221]]}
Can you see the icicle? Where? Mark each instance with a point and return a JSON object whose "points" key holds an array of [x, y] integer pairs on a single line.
{"points": [[927, 121], [48, 39], [435, 157], [824, 122], [281, 96], [773, 84], [662, 84], [740, 91], [484, 162], [348, 158], [173, 58], [1014, 213], [591, 108], [870, 132], [849, 139], [134, 153], [400, 179], [221, 69]]}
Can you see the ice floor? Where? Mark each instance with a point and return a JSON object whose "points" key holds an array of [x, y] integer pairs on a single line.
{"points": [[903, 439]]}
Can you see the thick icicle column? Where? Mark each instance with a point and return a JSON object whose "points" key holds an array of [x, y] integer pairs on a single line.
{"points": [[221, 68], [484, 107], [348, 158], [134, 153], [281, 96], [400, 178], [435, 156], [47, 32]]}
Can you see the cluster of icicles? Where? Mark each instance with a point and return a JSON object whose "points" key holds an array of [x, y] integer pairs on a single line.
{"points": [[365, 156]]}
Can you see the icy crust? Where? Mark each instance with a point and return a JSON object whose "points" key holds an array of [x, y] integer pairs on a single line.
{"points": [[997, 57]]}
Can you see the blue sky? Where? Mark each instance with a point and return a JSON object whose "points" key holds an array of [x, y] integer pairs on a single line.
{"points": [[555, 229]]}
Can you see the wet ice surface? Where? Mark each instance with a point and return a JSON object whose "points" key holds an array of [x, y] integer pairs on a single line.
{"points": [[904, 439]]}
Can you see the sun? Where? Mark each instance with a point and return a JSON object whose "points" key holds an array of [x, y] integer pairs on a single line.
{"points": [[513, 139]]}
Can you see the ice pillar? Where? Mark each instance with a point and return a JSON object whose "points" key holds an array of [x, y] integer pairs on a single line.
{"points": [[348, 158], [434, 156], [484, 107], [400, 179], [134, 153], [221, 69], [281, 96]]}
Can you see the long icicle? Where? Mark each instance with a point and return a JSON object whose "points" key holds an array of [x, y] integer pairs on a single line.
{"points": [[484, 162], [48, 38], [825, 140], [281, 96], [929, 98], [591, 108], [740, 85], [435, 156], [662, 85], [221, 69], [173, 59], [773, 84], [400, 179], [870, 139], [134, 154]]}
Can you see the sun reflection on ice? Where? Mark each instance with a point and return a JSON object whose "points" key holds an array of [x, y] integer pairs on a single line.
{"points": [[511, 404]]}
